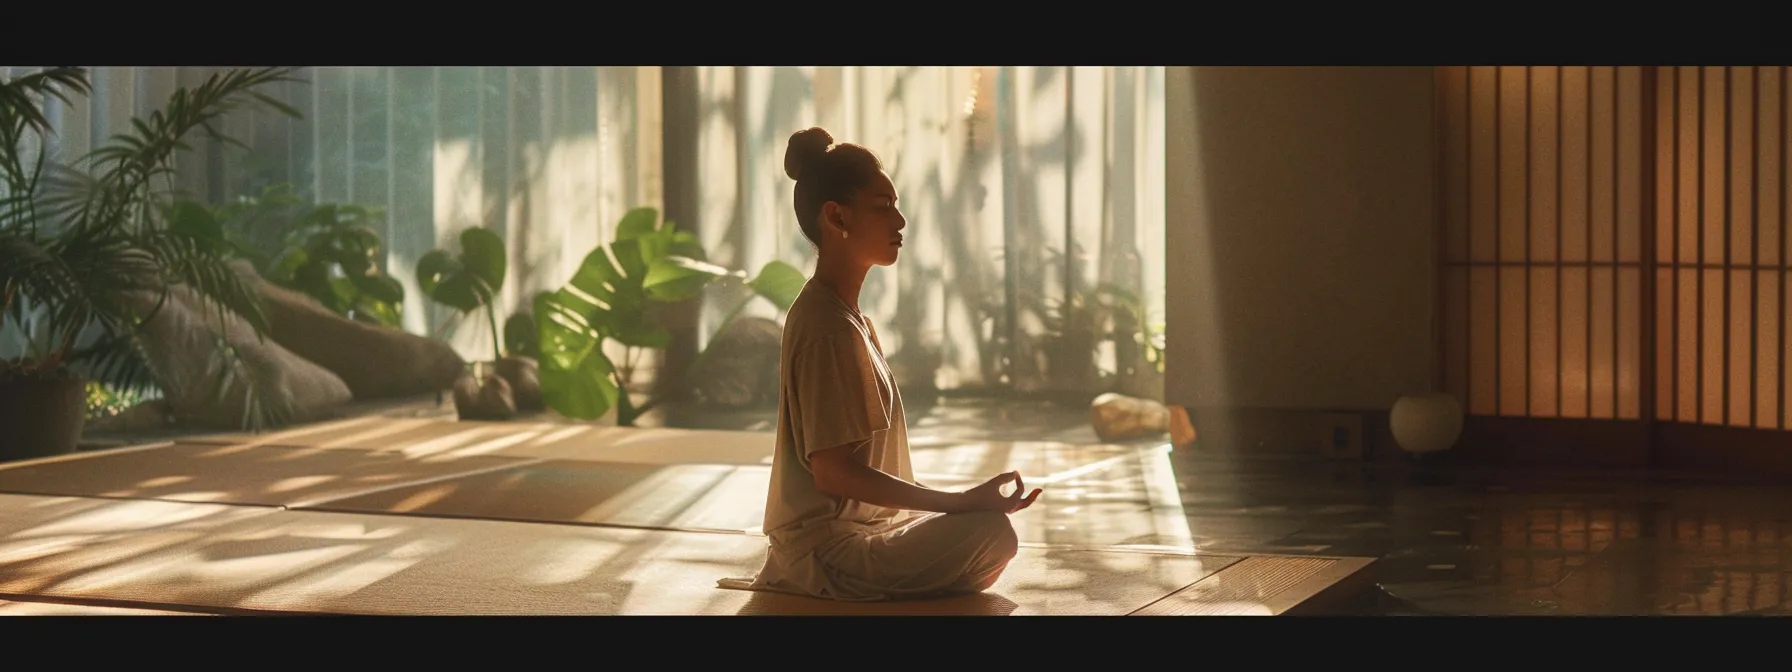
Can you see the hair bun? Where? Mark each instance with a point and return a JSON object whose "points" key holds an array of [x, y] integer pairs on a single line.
{"points": [[807, 148]]}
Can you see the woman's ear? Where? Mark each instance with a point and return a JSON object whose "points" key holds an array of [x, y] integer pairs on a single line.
{"points": [[833, 217]]}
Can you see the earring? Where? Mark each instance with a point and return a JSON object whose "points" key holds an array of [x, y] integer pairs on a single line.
{"points": [[842, 234]]}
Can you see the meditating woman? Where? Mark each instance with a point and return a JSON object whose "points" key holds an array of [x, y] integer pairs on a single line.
{"points": [[844, 515]]}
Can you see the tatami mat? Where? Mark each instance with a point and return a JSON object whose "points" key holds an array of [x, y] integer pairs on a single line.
{"points": [[718, 497], [434, 516], [418, 437], [247, 475], [253, 560], [553, 473], [421, 436], [933, 461], [426, 437], [53, 609], [1099, 495]]}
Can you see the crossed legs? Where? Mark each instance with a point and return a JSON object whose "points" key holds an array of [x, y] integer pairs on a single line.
{"points": [[936, 554]]}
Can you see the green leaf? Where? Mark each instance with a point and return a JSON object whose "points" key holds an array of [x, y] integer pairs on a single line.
{"points": [[564, 335], [636, 223], [381, 312], [195, 221], [676, 278], [584, 393], [577, 380], [641, 334], [779, 283], [521, 336], [360, 240], [432, 268], [462, 292], [592, 286], [353, 264], [468, 280], [632, 257], [685, 244], [314, 280], [321, 217], [379, 287], [344, 291], [277, 105], [483, 253]]}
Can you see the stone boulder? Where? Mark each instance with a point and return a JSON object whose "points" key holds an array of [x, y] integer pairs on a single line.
{"points": [[1117, 417], [376, 362], [739, 370]]}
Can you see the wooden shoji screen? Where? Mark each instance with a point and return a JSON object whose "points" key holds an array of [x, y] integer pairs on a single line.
{"points": [[1720, 260], [1614, 241], [1542, 240]]}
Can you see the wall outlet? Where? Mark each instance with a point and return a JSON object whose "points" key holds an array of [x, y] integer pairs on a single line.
{"points": [[1341, 436]]}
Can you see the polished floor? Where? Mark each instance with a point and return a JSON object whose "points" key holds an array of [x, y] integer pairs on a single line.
{"points": [[1451, 542]]}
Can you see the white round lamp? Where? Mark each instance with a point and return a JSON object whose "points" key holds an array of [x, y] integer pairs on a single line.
{"points": [[1426, 423]]}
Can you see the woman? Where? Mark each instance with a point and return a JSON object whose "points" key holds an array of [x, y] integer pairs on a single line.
{"points": [[844, 516]]}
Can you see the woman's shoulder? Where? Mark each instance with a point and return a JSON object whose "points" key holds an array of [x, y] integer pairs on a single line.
{"points": [[815, 316]]}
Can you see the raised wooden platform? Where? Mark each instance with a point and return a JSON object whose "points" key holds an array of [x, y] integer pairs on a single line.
{"points": [[438, 517]]}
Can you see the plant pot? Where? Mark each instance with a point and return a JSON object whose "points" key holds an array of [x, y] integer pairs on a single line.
{"points": [[42, 417], [483, 395], [524, 376]]}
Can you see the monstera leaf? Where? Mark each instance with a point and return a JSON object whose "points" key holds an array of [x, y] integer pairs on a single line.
{"points": [[577, 380], [609, 298], [468, 280], [778, 283], [521, 335]]}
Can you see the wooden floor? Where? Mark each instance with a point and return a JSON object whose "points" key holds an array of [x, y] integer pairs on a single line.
{"points": [[379, 515]]}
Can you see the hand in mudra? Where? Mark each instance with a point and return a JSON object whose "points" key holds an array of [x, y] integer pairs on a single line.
{"points": [[989, 497]]}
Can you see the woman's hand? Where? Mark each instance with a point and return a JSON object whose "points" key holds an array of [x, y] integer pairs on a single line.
{"points": [[837, 473], [989, 497]]}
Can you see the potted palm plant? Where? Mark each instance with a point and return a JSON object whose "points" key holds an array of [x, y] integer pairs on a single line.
{"points": [[83, 243]]}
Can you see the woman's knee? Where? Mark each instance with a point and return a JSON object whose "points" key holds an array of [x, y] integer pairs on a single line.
{"points": [[1000, 544], [996, 530]]}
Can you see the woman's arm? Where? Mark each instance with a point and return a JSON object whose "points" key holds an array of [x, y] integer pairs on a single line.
{"points": [[838, 474]]}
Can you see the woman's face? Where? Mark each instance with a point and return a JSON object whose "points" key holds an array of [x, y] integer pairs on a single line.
{"points": [[873, 224]]}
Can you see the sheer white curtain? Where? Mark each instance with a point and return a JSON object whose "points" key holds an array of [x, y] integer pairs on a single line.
{"points": [[1002, 170], [548, 157]]}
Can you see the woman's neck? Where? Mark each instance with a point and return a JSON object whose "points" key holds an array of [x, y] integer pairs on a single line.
{"points": [[842, 277]]}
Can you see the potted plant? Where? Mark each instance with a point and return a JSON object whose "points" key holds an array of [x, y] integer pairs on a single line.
{"points": [[469, 282], [615, 296], [79, 244], [330, 252]]}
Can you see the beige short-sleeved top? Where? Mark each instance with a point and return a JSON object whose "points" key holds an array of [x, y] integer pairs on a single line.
{"points": [[835, 389]]}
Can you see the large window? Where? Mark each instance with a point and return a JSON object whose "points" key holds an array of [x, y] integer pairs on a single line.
{"points": [[1034, 195]]}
